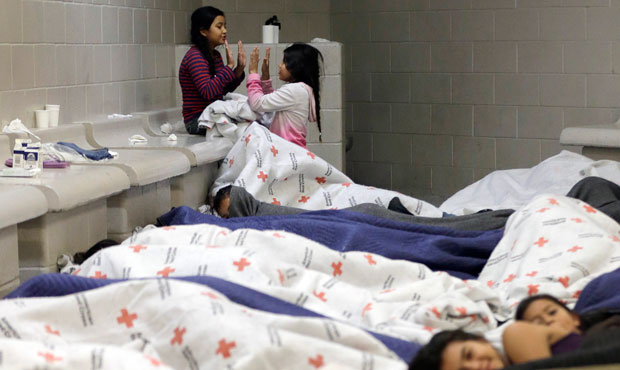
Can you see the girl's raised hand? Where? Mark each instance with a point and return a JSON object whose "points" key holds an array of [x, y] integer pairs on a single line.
{"points": [[230, 60], [241, 60], [265, 65], [253, 68]]}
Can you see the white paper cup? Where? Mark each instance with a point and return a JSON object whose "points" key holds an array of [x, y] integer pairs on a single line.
{"points": [[42, 118], [54, 110]]}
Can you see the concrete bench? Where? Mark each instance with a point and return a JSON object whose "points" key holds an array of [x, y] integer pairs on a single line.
{"points": [[152, 120], [599, 141], [19, 203], [189, 189], [77, 213], [150, 173]]}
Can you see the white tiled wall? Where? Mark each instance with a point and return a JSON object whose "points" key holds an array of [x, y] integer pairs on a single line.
{"points": [[442, 92], [93, 57]]}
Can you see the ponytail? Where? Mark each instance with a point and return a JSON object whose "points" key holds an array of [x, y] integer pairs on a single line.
{"points": [[303, 62]]}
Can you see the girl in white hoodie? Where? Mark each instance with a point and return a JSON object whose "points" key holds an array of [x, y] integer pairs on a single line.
{"points": [[297, 102]]}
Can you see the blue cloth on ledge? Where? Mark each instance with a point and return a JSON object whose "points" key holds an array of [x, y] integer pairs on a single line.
{"points": [[94, 154], [460, 253], [54, 285]]}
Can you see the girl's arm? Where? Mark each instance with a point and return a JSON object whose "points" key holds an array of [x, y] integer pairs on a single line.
{"points": [[281, 99], [210, 87], [524, 341]]}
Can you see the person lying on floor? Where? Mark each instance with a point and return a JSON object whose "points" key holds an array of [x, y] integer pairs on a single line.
{"points": [[458, 350], [234, 201], [546, 327]]}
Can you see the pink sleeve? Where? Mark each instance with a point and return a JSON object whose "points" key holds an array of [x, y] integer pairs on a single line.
{"points": [[266, 85]]}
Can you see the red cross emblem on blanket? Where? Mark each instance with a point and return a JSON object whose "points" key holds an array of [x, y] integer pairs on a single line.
{"points": [[317, 361], [532, 289], [210, 295], [281, 277], [575, 249], [126, 318], [178, 336], [614, 238], [166, 271], [490, 283], [274, 150], [367, 308], [241, 264], [76, 271], [311, 155], [370, 260], [49, 357], [541, 242], [428, 329], [276, 201], [320, 296], [137, 248], [247, 139], [263, 176], [462, 311], [303, 199], [577, 220], [48, 329], [436, 312], [153, 361], [510, 278], [224, 348], [278, 235], [553, 201], [564, 280], [337, 268], [577, 294], [589, 208], [168, 228], [320, 180], [543, 210], [531, 274], [230, 163], [99, 275], [346, 184]]}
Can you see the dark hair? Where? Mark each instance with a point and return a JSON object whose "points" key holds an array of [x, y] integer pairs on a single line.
{"points": [[202, 18], [303, 62], [524, 304], [429, 357], [221, 195], [80, 257]]}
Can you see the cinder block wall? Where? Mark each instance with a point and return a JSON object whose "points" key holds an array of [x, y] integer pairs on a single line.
{"points": [[93, 57], [442, 92], [302, 20]]}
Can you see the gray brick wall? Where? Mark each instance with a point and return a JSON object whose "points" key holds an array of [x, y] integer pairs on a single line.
{"points": [[472, 85], [91, 57]]}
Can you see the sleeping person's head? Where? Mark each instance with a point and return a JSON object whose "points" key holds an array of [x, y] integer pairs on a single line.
{"points": [[457, 350], [545, 309]]}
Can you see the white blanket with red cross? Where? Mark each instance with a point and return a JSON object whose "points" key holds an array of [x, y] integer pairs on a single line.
{"points": [[393, 297], [553, 245], [156, 323], [276, 171]]}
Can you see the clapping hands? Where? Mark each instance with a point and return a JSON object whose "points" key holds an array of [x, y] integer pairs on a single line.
{"points": [[241, 58], [253, 68]]}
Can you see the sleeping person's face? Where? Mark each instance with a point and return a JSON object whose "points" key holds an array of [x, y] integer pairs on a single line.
{"points": [[471, 355], [546, 312]]}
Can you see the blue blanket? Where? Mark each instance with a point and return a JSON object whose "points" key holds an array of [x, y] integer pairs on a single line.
{"points": [[600, 293], [460, 253], [54, 285]]}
